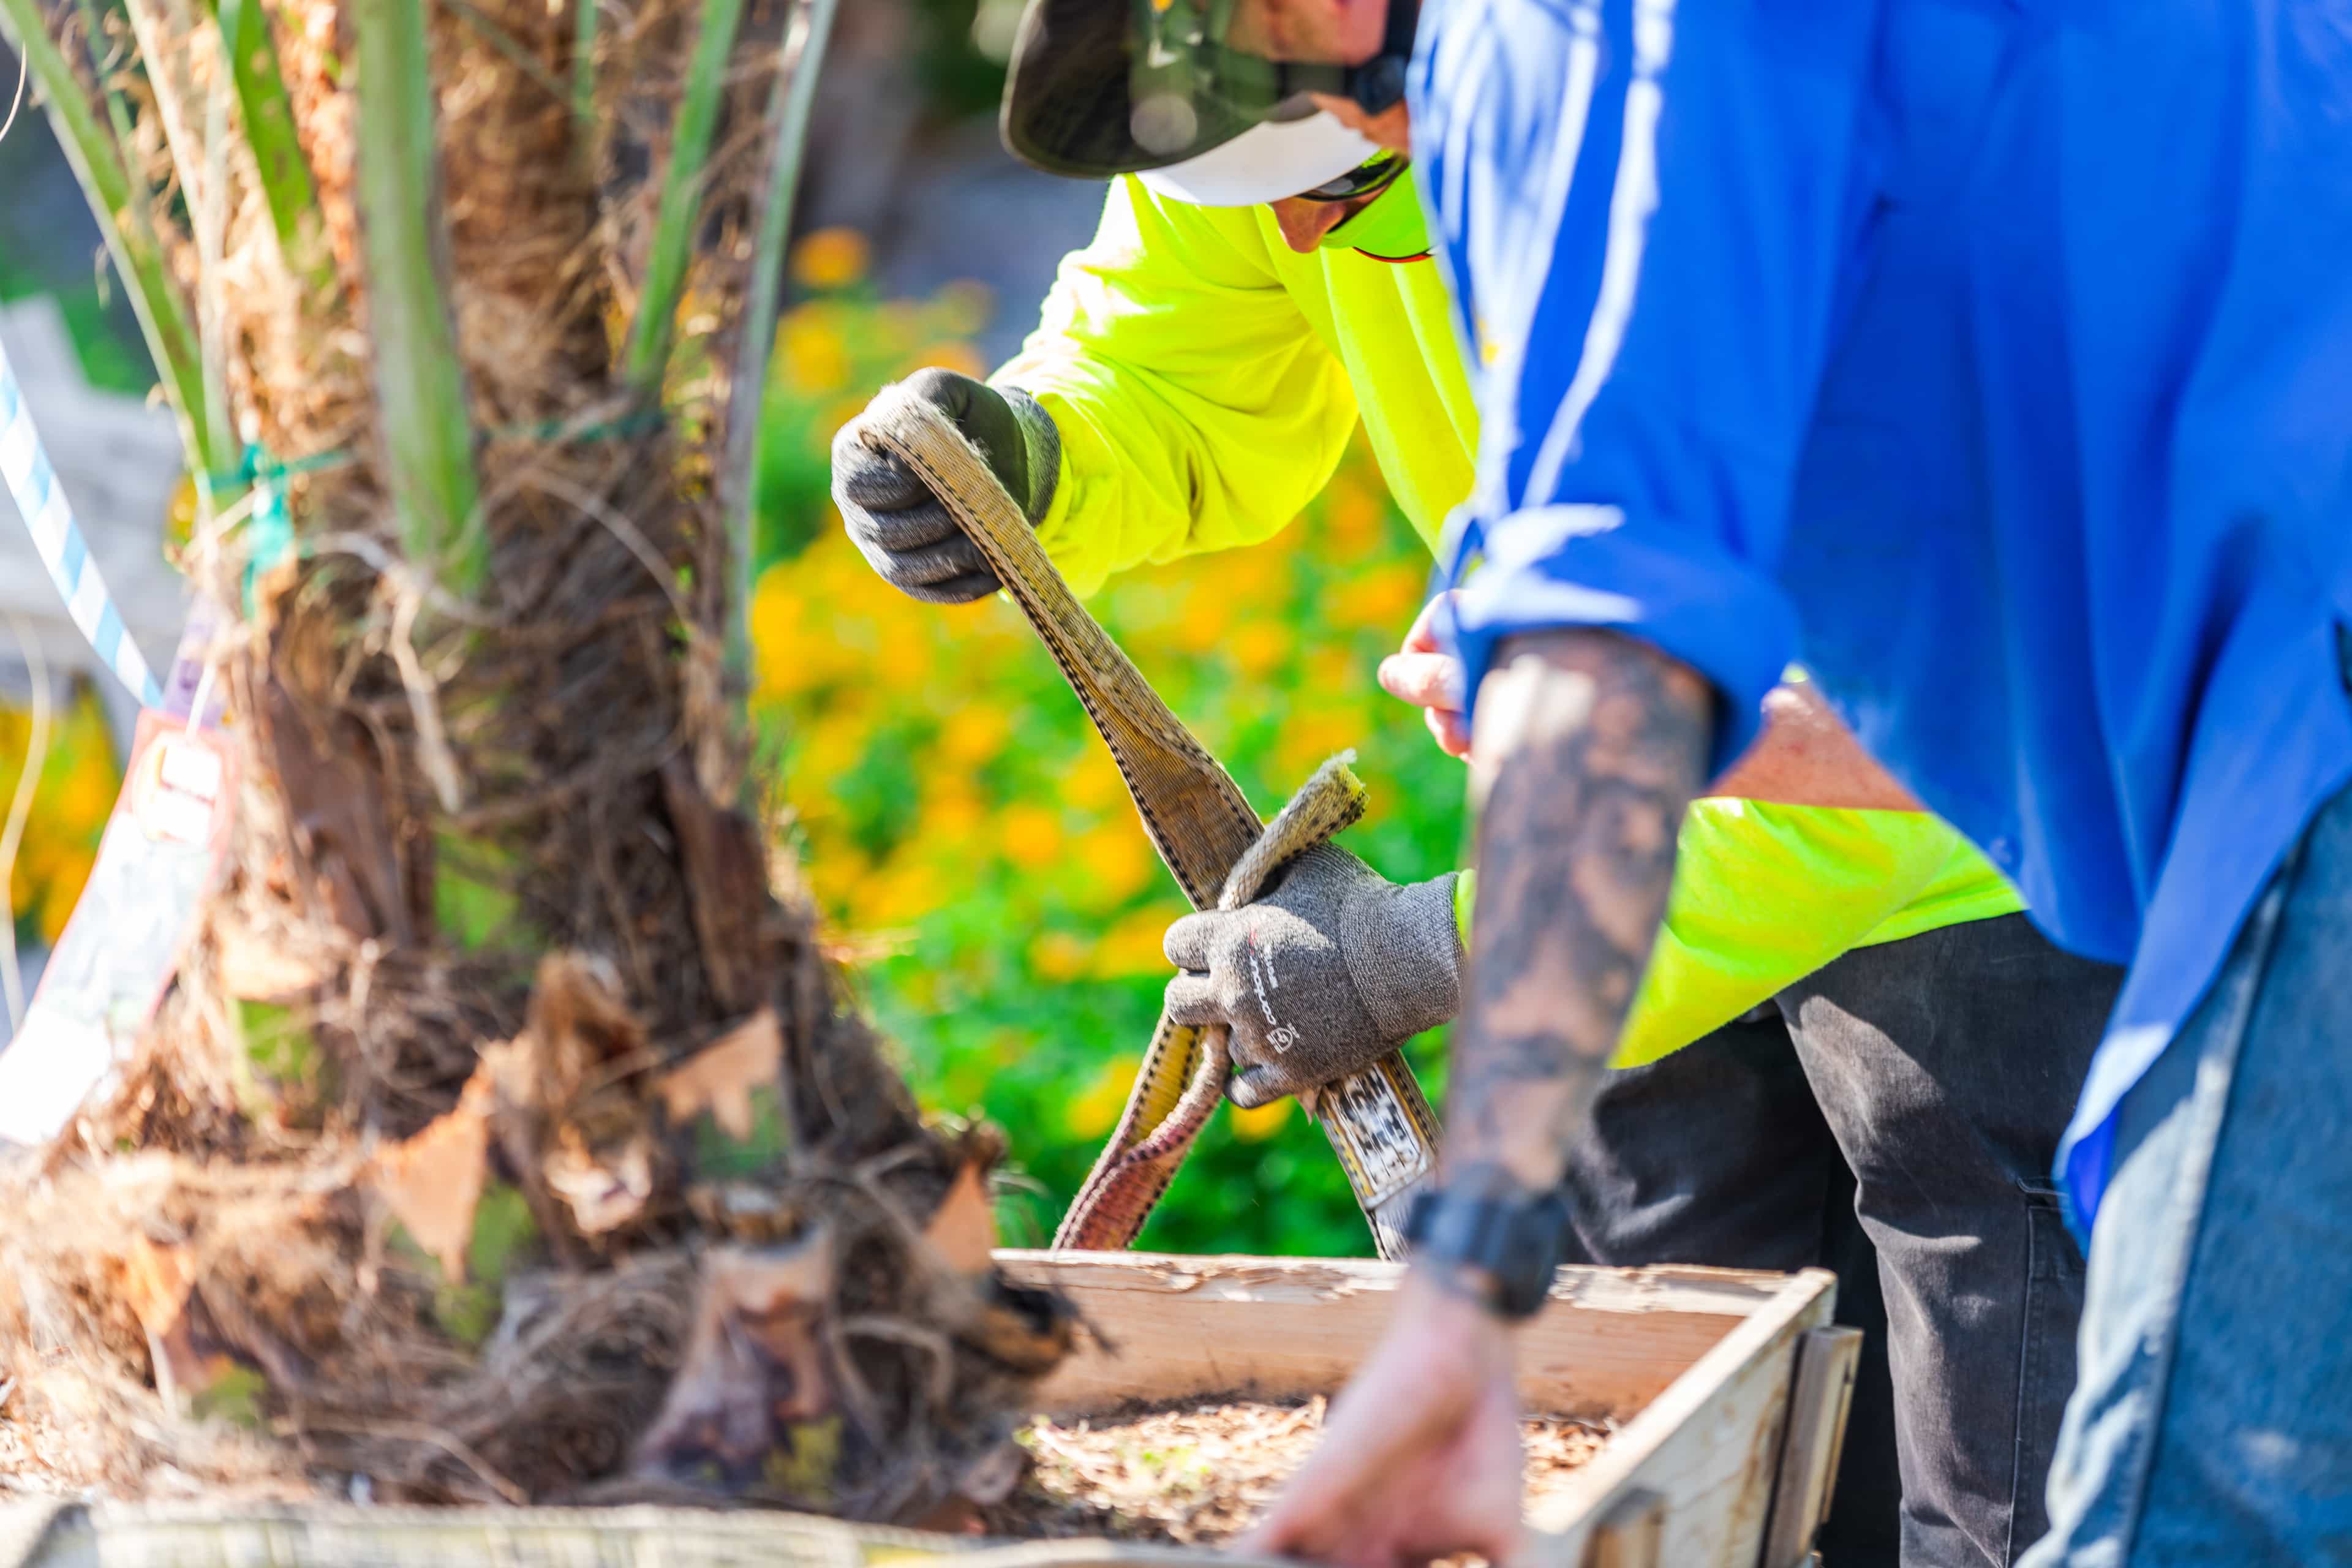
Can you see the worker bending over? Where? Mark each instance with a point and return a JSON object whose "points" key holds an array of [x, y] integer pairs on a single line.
{"points": [[1864, 1021]]}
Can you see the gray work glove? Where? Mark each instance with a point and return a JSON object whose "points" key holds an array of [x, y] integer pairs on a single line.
{"points": [[1322, 977], [904, 530]]}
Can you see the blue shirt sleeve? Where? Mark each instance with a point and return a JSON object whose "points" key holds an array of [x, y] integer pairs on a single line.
{"points": [[1646, 210]]}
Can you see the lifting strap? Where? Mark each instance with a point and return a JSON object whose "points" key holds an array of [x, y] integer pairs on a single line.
{"points": [[1378, 1120]]}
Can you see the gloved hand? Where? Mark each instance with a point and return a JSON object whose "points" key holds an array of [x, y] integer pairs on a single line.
{"points": [[1322, 977], [905, 531]]}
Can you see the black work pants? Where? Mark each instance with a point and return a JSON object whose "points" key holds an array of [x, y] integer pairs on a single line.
{"points": [[1893, 1117]]}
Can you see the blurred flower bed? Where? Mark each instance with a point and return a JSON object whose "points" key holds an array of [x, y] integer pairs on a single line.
{"points": [[969, 838], [79, 780]]}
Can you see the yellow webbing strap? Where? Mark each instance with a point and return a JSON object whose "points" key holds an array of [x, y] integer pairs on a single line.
{"points": [[1204, 829]]}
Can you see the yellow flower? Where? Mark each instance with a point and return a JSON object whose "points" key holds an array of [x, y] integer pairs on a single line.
{"points": [[1384, 599], [1094, 1111], [830, 258], [975, 735], [779, 619], [953, 816], [902, 893], [1339, 675], [1260, 647], [1351, 515], [1119, 860], [1058, 956], [811, 354], [1133, 946], [1312, 734], [1032, 836], [1209, 612], [1092, 783], [1258, 1125], [839, 736]]}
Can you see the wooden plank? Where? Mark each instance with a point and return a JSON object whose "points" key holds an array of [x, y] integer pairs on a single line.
{"points": [[1823, 1392], [1610, 1341], [1709, 1445], [1630, 1536]]}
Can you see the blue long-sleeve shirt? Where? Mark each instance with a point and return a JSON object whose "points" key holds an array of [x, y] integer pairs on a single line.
{"points": [[1994, 359]]}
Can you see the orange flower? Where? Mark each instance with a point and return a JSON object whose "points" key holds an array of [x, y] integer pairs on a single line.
{"points": [[1382, 599], [830, 258], [975, 735], [1032, 836], [1352, 516], [1260, 647]]}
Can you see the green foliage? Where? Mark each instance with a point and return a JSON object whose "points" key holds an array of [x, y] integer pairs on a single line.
{"points": [[112, 359], [504, 1231], [966, 832], [958, 80]]}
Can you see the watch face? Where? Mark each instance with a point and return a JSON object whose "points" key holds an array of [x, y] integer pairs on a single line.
{"points": [[1518, 1241]]}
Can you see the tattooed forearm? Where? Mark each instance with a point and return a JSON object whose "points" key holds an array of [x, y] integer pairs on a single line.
{"points": [[1594, 744]]}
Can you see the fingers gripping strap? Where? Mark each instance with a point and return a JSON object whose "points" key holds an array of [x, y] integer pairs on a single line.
{"points": [[1198, 819], [1183, 1073]]}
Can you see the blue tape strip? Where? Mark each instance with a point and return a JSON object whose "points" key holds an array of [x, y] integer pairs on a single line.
{"points": [[32, 483]]}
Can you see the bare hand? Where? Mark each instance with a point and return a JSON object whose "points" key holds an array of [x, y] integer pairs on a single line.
{"points": [[1431, 680], [1420, 1457]]}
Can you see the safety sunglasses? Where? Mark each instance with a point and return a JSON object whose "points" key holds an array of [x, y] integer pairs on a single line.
{"points": [[1368, 178]]}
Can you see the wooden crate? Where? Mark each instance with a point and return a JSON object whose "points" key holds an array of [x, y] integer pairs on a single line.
{"points": [[1730, 1390]]}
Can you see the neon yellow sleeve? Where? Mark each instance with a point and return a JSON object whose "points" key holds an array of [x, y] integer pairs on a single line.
{"points": [[1198, 409], [1765, 894]]}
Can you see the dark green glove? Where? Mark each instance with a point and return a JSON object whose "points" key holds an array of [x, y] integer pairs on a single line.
{"points": [[904, 530], [1322, 977]]}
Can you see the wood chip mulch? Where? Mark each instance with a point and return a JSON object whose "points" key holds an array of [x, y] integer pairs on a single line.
{"points": [[1200, 1475]]}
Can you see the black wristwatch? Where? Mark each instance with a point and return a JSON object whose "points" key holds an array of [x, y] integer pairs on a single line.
{"points": [[1516, 1242]]}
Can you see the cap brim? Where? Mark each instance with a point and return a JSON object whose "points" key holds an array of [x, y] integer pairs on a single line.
{"points": [[1068, 107], [1265, 163]]}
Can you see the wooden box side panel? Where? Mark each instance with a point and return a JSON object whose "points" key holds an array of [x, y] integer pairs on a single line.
{"points": [[1708, 1447], [1176, 1328]]}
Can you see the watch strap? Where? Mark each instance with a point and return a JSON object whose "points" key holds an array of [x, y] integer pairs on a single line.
{"points": [[1516, 1241]]}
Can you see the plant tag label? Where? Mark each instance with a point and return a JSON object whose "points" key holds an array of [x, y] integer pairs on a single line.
{"points": [[162, 853]]}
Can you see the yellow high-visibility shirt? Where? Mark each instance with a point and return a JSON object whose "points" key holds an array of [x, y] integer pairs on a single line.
{"points": [[1206, 380]]}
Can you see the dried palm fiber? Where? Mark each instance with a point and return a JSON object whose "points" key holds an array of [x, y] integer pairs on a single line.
{"points": [[508, 1136]]}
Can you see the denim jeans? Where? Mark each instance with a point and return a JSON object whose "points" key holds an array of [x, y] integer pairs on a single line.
{"points": [[1893, 1117], [2213, 1423]]}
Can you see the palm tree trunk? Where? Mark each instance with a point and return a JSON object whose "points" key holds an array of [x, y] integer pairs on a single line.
{"points": [[507, 1134]]}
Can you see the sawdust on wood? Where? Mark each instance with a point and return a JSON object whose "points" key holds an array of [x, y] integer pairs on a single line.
{"points": [[1200, 1475]]}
